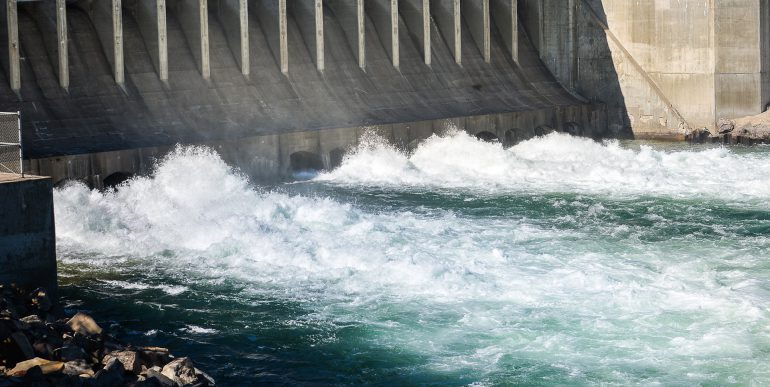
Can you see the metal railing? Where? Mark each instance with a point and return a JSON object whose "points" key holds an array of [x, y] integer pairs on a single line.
{"points": [[10, 143]]}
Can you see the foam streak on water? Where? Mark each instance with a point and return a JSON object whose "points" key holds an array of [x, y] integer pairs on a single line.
{"points": [[556, 163], [560, 260]]}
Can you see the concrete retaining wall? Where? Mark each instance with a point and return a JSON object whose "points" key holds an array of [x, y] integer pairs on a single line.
{"points": [[663, 67], [27, 240]]}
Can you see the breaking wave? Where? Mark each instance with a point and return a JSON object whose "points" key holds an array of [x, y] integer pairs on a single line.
{"points": [[557, 163]]}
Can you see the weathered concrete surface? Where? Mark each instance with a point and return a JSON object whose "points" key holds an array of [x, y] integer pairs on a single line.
{"points": [[107, 19], [27, 240], [96, 115], [234, 17], [9, 43], [664, 68], [351, 17], [448, 16], [505, 14], [416, 16], [384, 14], [268, 157], [150, 16], [193, 17]]}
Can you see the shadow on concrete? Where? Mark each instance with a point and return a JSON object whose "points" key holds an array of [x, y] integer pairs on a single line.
{"points": [[96, 114], [589, 69]]}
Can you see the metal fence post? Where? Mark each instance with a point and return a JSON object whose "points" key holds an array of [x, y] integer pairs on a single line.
{"points": [[21, 155]]}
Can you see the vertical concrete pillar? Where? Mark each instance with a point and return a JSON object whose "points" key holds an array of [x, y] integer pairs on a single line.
{"points": [[514, 31], [194, 18], [395, 49], [203, 13], [272, 18], [161, 10], [416, 15], [477, 17], [283, 32], [62, 46], [361, 24], [426, 49], [309, 16], [448, 17], [14, 58], [319, 34], [151, 17], [234, 17], [573, 44], [351, 16], [541, 27], [384, 13], [107, 18], [117, 35], [506, 16]]}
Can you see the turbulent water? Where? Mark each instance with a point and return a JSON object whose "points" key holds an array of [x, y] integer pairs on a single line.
{"points": [[558, 261]]}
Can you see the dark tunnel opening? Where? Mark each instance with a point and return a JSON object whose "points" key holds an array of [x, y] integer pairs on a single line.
{"points": [[306, 162], [487, 136]]}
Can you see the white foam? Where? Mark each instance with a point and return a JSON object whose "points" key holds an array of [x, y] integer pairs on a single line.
{"points": [[557, 163], [507, 282], [194, 329]]}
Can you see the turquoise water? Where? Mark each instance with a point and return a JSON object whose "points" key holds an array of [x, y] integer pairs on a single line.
{"points": [[558, 261]]}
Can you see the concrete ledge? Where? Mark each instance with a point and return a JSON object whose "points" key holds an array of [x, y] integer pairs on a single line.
{"points": [[27, 238]]}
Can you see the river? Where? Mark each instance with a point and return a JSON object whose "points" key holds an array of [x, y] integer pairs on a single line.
{"points": [[560, 260]]}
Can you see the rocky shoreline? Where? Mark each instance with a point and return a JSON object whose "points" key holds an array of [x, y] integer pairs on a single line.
{"points": [[39, 346], [745, 130]]}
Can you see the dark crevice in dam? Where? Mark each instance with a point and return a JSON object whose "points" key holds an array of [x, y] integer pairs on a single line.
{"points": [[96, 114]]}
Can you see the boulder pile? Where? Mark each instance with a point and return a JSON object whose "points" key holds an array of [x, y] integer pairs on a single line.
{"points": [[39, 347]]}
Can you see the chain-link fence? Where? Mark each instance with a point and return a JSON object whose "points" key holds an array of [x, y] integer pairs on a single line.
{"points": [[10, 143]]}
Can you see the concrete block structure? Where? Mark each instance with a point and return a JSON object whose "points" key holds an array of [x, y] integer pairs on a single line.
{"points": [[27, 240], [672, 65]]}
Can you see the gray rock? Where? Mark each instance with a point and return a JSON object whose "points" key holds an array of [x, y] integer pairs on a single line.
{"points": [[84, 324], [110, 375], [725, 125], [129, 359], [77, 368], [155, 376], [70, 352], [23, 345], [181, 371]]}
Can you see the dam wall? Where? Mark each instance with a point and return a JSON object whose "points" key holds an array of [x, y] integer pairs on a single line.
{"points": [[119, 75], [664, 68]]}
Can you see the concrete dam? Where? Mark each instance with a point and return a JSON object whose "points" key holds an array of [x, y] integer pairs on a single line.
{"points": [[106, 86]]}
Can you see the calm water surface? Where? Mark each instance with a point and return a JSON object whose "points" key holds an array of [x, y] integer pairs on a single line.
{"points": [[558, 261]]}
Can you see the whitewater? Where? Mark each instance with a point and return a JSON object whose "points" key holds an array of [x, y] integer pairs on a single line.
{"points": [[560, 260]]}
